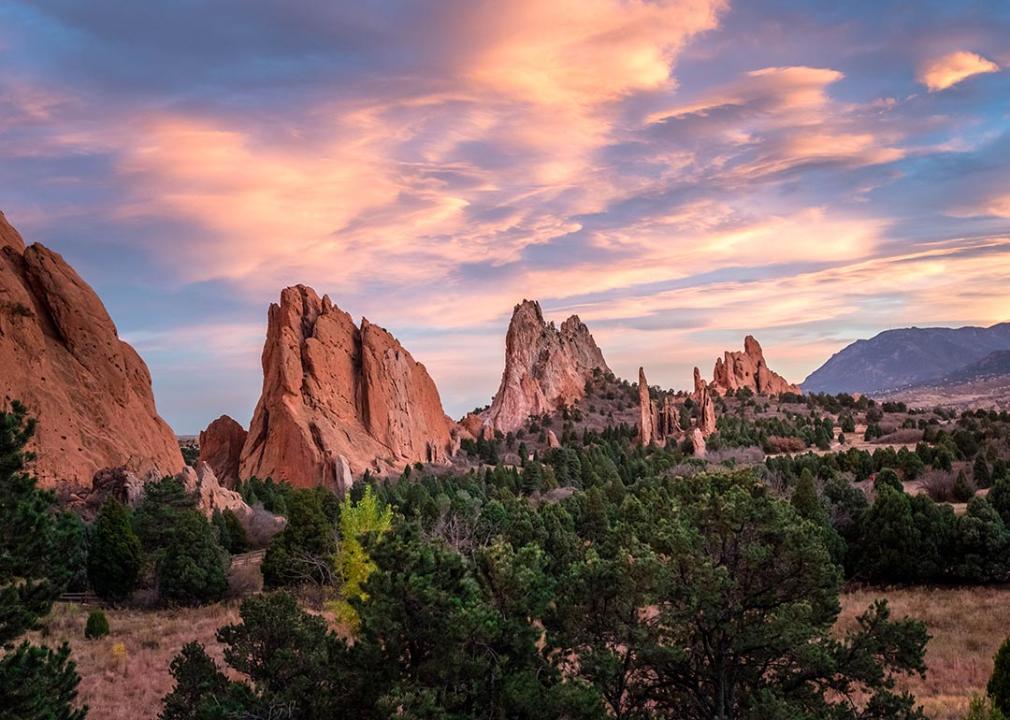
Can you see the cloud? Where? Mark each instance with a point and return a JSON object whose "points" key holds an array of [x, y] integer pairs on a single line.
{"points": [[948, 70]]}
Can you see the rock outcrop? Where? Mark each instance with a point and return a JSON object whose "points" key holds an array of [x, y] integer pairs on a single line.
{"points": [[698, 443], [657, 420], [545, 367], [705, 403], [646, 432], [221, 448], [339, 399], [61, 356], [748, 369]]}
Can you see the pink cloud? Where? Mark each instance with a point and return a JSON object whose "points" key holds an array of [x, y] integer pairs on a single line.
{"points": [[948, 70]]}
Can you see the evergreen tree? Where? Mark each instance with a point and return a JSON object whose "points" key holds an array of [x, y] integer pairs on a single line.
{"points": [[231, 535], [115, 556], [72, 551], [998, 688], [888, 477], [193, 567], [36, 683], [980, 472], [304, 550], [888, 542], [963, 490]]}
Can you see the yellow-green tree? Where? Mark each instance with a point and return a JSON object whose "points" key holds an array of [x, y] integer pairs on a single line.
{"points": [[358, 520]]}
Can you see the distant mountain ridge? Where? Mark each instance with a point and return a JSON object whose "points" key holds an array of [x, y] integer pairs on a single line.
{"points": [[995, 364], [909, 356]]}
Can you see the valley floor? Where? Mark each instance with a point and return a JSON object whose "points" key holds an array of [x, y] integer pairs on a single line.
{"points": [[125, 675], [966, 627]]}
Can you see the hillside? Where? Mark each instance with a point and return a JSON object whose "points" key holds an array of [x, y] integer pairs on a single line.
{"points": [[905, 357]]}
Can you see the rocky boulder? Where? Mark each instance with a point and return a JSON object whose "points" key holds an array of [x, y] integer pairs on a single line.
{"points": [[339, 399], [545, 367], [221, 448], [748, 369], [61, 356]]}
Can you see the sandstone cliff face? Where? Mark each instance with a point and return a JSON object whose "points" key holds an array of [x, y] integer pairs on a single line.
{"points": [[338, 400], [545, 367], [748, 369], [221, 448], [61, 356]]}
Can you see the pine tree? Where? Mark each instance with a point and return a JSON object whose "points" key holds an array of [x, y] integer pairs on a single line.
{"points": [[980, 472], [192, 568], [998, 688], [115, 556], [36, 683]]}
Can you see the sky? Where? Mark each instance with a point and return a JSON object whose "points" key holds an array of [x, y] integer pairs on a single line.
{"points": [[678, 173]]}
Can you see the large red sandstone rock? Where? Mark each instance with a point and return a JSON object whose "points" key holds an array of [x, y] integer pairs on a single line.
{"points": [[221, 448], [748, 369], [61, 356], [338, 400], [545, 367]]}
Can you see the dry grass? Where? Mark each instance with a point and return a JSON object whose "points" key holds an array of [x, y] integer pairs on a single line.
{"points": [[967, 625], [125, 675]]}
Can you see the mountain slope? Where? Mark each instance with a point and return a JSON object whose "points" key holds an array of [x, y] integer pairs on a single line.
{"points": [[995, 364], [909, 356]]}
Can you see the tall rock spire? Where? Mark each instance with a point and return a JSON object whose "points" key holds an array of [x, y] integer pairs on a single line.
{"points": [[545, 367]]}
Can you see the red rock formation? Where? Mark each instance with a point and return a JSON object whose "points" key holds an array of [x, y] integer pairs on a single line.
{"points": [[221, 448], [545, 367], [748, 369], [646, 432], [706, 405], [338, 399], [657, 421], [61, 356], [698, 443]]}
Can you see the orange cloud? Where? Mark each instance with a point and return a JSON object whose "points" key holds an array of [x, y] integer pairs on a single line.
{"points": [[948, 70], [584, 52]]}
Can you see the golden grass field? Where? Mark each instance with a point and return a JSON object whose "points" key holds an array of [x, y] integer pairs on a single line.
{"points": [[125, 675], [966, 625]]}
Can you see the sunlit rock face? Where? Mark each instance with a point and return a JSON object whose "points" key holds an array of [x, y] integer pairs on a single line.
{"points": [[61, 356], [339, 399], [748, 369], [545, 367]]}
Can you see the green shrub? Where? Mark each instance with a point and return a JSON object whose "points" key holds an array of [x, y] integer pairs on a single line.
{"points": [[888, 477], [97, 625]]}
